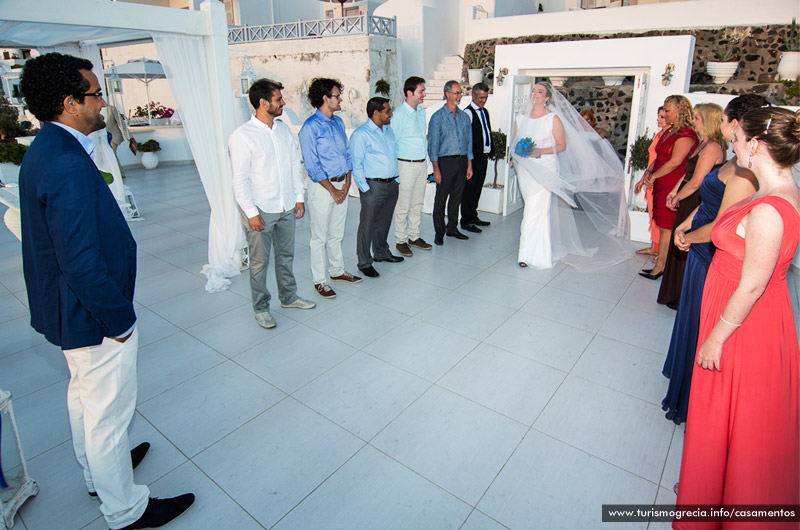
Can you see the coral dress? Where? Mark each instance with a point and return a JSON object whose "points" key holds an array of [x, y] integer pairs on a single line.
{"points": [[664, 217], [742, 441]]}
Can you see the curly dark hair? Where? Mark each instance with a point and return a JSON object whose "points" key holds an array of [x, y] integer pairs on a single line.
{"points": [[321, 86], [741, 105], [46, 80]]}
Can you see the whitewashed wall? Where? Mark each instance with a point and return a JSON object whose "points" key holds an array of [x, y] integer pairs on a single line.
{"points": [[356, 61], [670, 15]]}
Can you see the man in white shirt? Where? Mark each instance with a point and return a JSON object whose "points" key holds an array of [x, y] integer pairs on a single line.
{"points": [[268, 185]]}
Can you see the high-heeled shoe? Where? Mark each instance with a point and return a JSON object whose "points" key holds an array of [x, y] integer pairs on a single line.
{"points": [[648, 271], [651, 276]]}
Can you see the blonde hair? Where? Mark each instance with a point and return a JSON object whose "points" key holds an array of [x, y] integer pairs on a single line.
{"points": [[711, 114], [685, 112]]}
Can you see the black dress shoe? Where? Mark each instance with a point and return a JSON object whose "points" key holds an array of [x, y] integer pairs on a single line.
{"points": [[438, 239], [391, 259], [672, 305], [471, 228], [651, 276], [137, 455], [369, 271], [481, 222], [457, 235], [161, 511]]}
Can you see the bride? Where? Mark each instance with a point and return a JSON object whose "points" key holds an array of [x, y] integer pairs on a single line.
{"points": [[572, 182]]}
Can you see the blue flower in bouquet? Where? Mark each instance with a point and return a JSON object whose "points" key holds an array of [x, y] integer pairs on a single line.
{"points": [[524, 147]]}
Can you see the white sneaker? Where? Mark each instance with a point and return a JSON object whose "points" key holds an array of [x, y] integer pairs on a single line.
{"points": [[299, 303], [265, 320]]}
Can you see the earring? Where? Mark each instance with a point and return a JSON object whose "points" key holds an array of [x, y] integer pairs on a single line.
{"points": [[750, 161]]}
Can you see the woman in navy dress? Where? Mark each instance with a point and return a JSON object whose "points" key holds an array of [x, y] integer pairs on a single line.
{"points": [[721, 188]]}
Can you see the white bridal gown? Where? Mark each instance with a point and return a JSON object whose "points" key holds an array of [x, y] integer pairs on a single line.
{"points": [[535, 249]]}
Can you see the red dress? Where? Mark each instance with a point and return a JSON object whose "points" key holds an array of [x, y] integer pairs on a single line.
{"points": [[742, 441], [664, 217]]}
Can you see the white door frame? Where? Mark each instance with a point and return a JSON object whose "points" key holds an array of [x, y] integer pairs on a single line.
{"points": [[642, 57]]}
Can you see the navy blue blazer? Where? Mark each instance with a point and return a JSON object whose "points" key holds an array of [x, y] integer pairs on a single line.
{"points": [[78, 254]]}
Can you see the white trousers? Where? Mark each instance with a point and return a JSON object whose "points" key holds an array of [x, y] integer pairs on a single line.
{"points": [[410, 196], [101, 400], [327, 230]]}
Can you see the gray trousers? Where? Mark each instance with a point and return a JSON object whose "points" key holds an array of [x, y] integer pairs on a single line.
{"points": [[278, 232], [377, 211]]}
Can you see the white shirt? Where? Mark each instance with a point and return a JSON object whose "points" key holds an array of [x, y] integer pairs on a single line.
{"points": [[266, 167], [486, 148]]}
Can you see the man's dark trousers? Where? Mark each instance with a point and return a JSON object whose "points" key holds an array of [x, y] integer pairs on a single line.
{"points": [[375, 220], [472, 191], [454, 175]]}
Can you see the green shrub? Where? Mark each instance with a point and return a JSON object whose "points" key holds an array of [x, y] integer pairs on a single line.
{"points": [[150, 146], [12, 153]]}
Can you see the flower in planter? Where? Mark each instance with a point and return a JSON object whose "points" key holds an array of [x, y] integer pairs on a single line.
{"points": [[156, 110]]}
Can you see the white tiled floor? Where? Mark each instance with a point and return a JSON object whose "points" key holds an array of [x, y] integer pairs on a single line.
{"points": [[455, 391]]}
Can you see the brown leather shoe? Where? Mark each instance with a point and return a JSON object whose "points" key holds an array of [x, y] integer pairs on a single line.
{"points": [[403, 249], [325, 290], [346, 277], [420, 244]]}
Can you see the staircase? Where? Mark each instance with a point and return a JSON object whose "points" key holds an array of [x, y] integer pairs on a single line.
{"points": [[448, 69]]}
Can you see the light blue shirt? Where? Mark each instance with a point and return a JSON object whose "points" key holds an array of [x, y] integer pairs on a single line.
{"points": [[373, 153], [326, 153], [449, 135], [409, 127], [86, 142]]}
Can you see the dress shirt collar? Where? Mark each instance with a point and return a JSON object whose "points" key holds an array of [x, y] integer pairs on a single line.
{"points": [[261, 125], [86, 142], [320, 116], [474, 106]]}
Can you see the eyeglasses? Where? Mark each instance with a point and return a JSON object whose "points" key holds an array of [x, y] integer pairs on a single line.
{"points": [[97, 94], [336, 96]]}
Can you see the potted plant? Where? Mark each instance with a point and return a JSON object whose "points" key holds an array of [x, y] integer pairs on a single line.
{"points": [[492, 195], [475, 60], [149, 150], [153, 113], [382, 87], [725, 65], [789, 67], [638, 163]]}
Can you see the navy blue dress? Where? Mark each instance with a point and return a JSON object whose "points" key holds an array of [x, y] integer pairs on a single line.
{"points": [[683, 346]]}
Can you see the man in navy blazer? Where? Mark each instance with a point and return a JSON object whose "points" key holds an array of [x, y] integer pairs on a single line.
{"points": [[79, 262]]}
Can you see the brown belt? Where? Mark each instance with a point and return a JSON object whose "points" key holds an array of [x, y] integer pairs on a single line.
{"points": [[338, 179]]}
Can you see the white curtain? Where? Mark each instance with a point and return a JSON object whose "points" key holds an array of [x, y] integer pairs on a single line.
{"points": [[184, 61]]}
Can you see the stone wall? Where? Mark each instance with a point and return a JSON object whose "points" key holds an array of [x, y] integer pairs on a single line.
{"points": [[758, 48], [611, 106]]}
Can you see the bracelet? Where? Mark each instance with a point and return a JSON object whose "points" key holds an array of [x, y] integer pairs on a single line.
{"points": [[729, 323]]}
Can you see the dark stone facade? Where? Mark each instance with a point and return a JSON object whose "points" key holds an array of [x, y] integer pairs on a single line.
{"points": [[758, 49]]}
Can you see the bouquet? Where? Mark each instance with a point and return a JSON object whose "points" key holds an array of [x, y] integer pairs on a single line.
{"points": [[524, 147]]}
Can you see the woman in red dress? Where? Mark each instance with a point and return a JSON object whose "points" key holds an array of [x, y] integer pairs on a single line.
{"points": [[742, 442], [672, 152]]}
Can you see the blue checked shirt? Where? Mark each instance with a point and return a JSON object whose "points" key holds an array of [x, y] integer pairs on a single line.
{"points": [[449, 135], [326, 153]]}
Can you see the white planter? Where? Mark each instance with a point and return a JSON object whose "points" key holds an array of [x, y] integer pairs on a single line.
{"points": [[613, 80], [491, 200], [721, 72], [789, 67], [558, 80], [640, 226], [9, 173], [475, 76], [158, 121], [149, 160]]}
